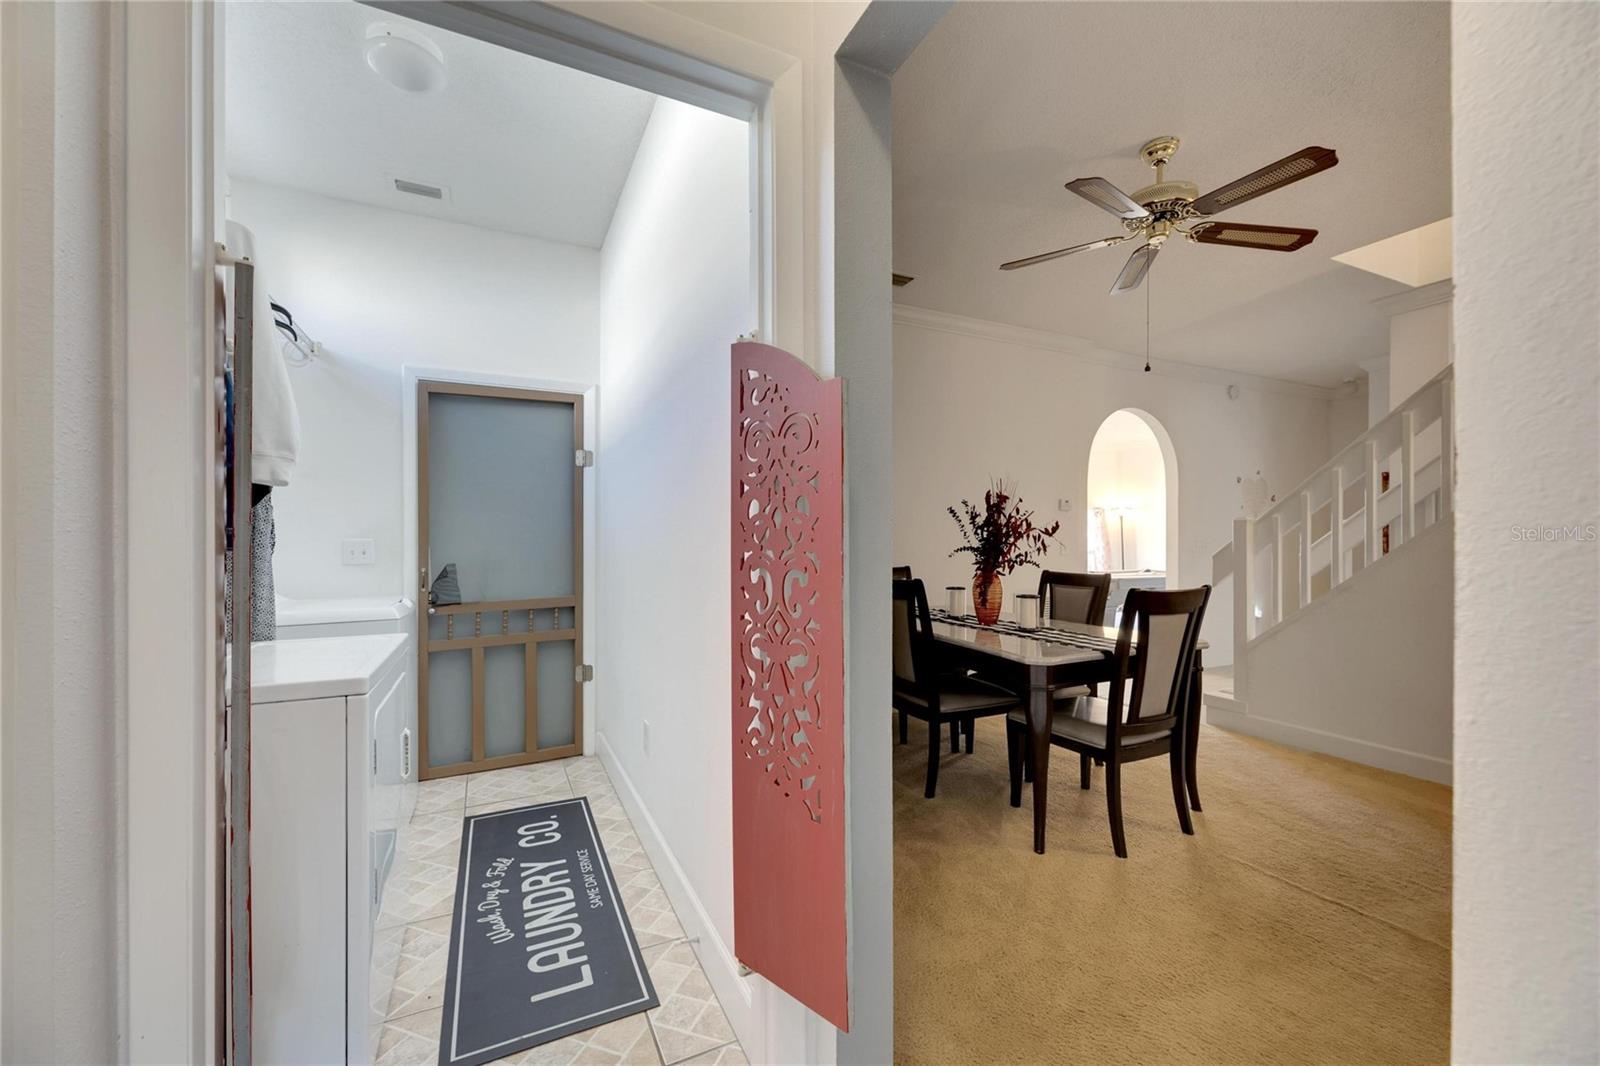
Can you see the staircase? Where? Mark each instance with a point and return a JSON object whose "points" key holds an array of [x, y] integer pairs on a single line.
{"points": [[1343, 600]]}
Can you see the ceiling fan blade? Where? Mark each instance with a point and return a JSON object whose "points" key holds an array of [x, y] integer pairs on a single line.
{"points": [[1286, 171], [1137, 266], [1047, 256], [1108, 197], [1244, 235]]}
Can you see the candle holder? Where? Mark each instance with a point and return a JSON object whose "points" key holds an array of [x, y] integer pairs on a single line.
{"points": [[1027, 610]]}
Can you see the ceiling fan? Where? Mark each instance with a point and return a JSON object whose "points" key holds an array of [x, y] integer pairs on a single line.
{"points": [[1158, 211]]}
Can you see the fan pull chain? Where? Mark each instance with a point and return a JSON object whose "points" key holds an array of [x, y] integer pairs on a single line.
{"points": [[1149, 283]]}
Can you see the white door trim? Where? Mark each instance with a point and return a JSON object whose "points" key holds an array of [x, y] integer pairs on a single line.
{"points": [[170, 620], [174, 57]]}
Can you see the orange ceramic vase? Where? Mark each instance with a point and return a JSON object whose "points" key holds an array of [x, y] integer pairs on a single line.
{"points": [[986, 598]]}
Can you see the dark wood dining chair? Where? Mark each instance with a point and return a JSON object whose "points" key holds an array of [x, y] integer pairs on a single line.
{"points": [[1149, 722], [902, 573], [1068, 597], [924, 691]]}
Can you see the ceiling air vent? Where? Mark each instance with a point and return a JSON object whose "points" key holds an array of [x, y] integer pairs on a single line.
{"points": [[416, 188]]}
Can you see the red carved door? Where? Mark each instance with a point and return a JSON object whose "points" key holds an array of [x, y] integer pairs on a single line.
{"points": [[788, 677]]}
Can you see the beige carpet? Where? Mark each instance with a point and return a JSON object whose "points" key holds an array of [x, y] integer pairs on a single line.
{"points": [[1306, 921]]}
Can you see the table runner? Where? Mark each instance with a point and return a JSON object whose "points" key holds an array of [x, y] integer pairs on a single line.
{"points": [[1047, 635]]}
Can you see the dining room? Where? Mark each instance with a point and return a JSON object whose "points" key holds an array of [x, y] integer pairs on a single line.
{"points": [[1088, 866]]}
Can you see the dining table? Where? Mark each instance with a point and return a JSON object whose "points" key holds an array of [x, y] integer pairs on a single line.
{"points": [[1033, 663]]}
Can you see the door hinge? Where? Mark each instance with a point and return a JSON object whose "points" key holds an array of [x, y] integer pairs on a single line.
{"points": [[583, 673], [584, 457]]}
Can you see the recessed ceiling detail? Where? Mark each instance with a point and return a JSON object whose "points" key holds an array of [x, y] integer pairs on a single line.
{"points": [[1416, 257]]}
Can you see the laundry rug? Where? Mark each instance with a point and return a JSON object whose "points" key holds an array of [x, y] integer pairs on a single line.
{"points": [[540, 945]]}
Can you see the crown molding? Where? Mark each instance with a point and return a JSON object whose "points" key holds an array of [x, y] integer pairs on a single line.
{"points": [[1088, 352], [1439, 292]]}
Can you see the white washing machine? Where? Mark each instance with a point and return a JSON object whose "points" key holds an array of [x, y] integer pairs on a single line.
{"points": [[363, 616]]}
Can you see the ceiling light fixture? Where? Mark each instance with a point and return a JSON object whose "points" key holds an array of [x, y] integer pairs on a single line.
{"points": [[404, 58]]}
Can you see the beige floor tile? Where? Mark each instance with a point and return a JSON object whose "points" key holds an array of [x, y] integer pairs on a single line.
{"points": [[410, 1041], [517, 782], [649, 910], [440, 794], [690, 1020], [419, 976], [627, 1040], [726, 1055], [414, 1041], [520, 801], [385, 961], [587, 769], [423, 884], [430, 832]]}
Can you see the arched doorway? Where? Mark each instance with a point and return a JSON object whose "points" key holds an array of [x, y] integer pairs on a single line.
{"points": [[1131, 498]]}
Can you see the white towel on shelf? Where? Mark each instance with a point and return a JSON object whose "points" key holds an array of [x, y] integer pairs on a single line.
{"points": [[275, 422]]}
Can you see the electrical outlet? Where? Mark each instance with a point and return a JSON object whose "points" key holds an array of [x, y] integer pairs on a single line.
{"points": [[359, 553], [647, 738]]}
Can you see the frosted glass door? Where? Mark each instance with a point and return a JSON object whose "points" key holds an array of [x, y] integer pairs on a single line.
{"points": [[500, 545]]}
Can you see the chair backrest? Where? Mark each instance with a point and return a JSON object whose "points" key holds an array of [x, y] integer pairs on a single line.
{"points": [[1069, 597], [1166, 627], [913, 637], [902, 573]]}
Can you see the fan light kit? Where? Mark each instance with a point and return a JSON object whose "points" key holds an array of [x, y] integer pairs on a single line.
{"points": [[1159, 211]]}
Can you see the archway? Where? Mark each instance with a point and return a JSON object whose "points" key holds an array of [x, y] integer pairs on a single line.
{"points": [[1131, 497]]}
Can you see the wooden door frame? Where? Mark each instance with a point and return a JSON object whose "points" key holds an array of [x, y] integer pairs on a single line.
{"points": [[478, 642]]}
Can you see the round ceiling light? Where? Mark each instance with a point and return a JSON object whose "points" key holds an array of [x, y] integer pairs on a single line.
{"points": [[404, 58]]}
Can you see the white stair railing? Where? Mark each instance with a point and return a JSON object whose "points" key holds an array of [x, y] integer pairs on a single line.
{"points": [[1379, 492]]}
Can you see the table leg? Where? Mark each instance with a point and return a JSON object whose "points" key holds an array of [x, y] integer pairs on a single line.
{"points": [[1191, 740], [1039, 734]]}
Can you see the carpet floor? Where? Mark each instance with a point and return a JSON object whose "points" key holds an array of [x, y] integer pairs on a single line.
{"points": [[1307, 921]]}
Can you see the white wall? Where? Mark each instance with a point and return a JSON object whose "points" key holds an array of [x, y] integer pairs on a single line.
{"points": [[1419, 347], [1364, 672], [675, 294], [1526, 934], [973, 401], [380, 290], [64, 932], [1348, 418]]}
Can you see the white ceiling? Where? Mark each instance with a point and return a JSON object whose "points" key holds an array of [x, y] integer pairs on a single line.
{"points": [[522, 145], [1004, 103]]}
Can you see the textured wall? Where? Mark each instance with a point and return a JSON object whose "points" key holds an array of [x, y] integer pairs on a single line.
{"points": [[971, 404], [675, 293], [1526, 953], [62, 927], [379, 290]]}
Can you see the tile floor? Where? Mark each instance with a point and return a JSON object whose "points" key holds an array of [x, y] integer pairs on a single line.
{"points": [[414, 929]]}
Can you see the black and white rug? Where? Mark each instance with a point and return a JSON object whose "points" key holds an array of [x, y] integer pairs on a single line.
{"points": [[540, 945]]}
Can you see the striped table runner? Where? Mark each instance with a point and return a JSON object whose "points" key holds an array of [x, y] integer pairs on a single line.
{"points": [[1044, 634]]}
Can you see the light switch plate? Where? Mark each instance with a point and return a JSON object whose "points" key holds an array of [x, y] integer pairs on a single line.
{"points": [[359, 553], [1064, 506]]}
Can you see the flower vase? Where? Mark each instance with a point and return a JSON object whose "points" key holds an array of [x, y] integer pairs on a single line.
{"points": [[987, 596]]}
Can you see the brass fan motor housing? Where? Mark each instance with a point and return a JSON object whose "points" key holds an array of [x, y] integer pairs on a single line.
{"points": [[1167, 201]]}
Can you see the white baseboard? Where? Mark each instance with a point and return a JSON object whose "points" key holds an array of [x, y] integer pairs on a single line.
{"points": [[1413, 764], [734, 991]]}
